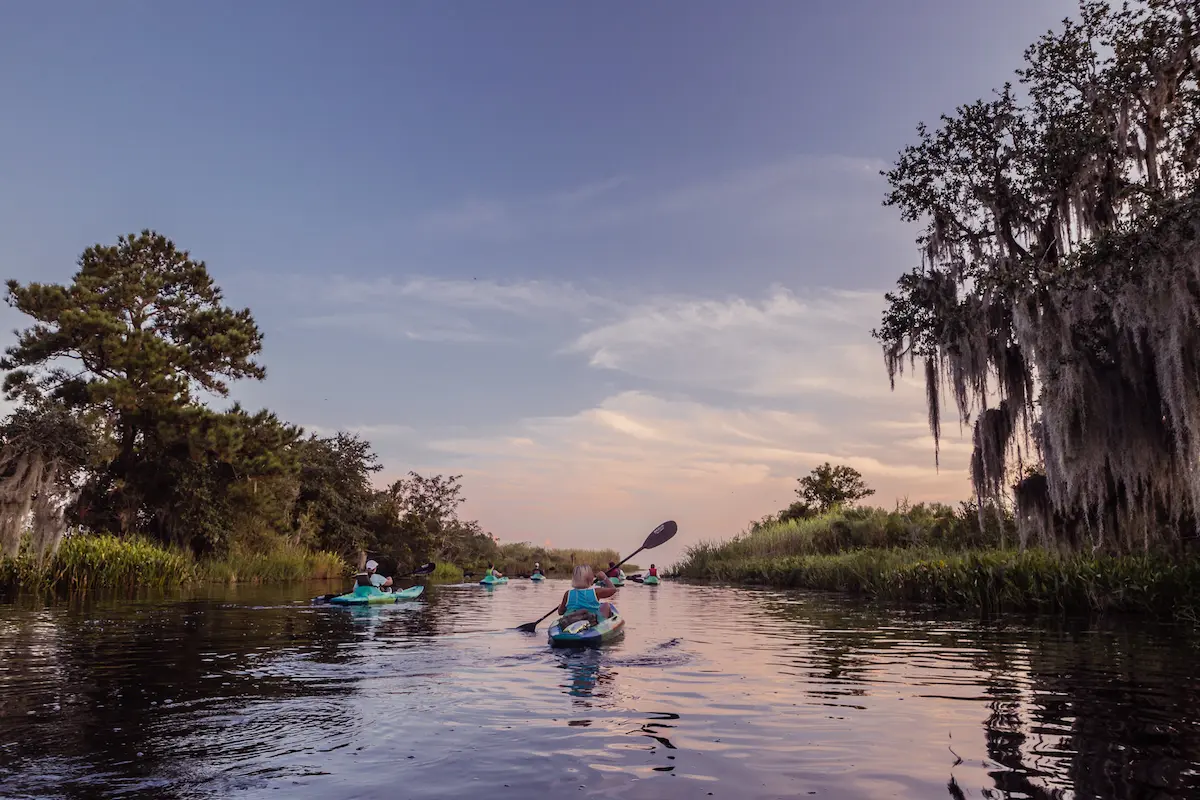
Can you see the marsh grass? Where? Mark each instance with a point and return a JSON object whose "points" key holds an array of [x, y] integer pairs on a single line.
{"points": [[104, 561], [285, 562], [446, 573], [98, 561], [938, 558]]}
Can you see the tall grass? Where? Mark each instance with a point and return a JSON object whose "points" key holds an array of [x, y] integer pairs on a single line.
{"points": [[103, 561], [98, 561], [285, 562], [935, 554], [446, 573], [988, 580]]}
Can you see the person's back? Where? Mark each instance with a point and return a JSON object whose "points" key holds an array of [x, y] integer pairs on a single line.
{"points": [[654, 570], [584, 598]]}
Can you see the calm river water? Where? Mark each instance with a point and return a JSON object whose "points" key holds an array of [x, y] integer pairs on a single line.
{"points": [[253, 692]]}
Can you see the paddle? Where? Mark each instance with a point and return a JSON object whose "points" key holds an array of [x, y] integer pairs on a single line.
{"points": [[424, 569], [658, 536]]}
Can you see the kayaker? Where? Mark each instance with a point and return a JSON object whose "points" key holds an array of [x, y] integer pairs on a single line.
{"points": [[537, 568], [369, 577], [614, 571], [654, 571], [491, 570], [583, 596]]}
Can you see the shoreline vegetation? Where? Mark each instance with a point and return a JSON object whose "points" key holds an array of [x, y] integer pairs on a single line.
{"points": [[937, 554], [104, 561]]}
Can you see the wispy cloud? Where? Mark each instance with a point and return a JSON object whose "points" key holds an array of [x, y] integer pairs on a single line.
{"points": [[784, 345], [779, 197]]}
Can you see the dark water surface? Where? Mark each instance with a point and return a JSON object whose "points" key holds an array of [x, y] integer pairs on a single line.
{"points": [[252, 692]]}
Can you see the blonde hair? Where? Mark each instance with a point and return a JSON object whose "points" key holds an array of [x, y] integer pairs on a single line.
{"points": [[583, 577]]}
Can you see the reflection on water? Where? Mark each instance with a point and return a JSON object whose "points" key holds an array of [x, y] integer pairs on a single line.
{"points": [[248, 691]]}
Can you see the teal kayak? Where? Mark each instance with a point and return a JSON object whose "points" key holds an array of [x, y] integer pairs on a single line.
{"points": [[538, 577], [650, 580], [364, 595], [584, 634], [615, 582], [490, 581]]}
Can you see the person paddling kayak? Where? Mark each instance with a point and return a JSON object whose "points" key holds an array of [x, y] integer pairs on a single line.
{"points": [[369, 577], [492, 571], [614, 571], [653, 571], [583, 599], [537, 569]]}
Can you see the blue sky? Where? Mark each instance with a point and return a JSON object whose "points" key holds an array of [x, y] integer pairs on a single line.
{"points": [[614, 262]]}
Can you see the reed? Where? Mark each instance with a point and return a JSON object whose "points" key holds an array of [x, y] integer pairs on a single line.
{"points": [[285, 562], [988, 580], [104, 561], [446, 573]]}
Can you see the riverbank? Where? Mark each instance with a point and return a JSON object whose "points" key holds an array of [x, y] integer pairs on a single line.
{"points": [[899, 560], [105, 561]]}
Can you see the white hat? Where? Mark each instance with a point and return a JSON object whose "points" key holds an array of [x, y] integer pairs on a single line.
{"points": [[372, 564]]}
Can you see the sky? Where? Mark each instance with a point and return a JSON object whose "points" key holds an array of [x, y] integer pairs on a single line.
{"points": [[614, 263]]}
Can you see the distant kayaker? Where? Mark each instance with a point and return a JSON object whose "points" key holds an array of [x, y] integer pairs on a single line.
{"points": [[614, 571], [654, 570], [370, 577], [491, 570], [537, 568], [583, 597]]}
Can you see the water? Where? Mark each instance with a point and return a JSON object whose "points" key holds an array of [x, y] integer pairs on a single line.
{"points": [[253, 692]]}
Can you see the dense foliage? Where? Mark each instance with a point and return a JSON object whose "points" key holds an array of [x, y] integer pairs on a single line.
{"points": [[1059, 284], [113, 435]]}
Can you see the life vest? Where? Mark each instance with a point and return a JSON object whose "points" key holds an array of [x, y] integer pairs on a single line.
{"points": [[362, 579], [654, 571]]}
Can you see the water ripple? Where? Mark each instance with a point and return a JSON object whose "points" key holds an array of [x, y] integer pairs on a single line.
{"points": [[748, 694]]}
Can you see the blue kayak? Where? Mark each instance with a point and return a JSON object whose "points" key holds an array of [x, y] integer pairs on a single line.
{"points": [[537, 577], [584, 634], [490, 581], [369, 595]]}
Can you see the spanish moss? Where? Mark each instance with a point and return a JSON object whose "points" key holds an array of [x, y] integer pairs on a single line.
{"points": [[1058, 297]]}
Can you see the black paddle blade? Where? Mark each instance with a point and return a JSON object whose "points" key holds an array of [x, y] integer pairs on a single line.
{"points": [[425, 569], [661, 534], [528, 627]]}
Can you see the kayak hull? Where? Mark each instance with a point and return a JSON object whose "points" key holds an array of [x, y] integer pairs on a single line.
{"points": [[615, 582], [362, 596], [650, 580], [537, 577], [593, 636], [490, 581]]}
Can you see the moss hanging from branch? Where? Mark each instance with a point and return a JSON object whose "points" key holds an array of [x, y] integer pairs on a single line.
{"points": [[1059, 293], [42, 449]]}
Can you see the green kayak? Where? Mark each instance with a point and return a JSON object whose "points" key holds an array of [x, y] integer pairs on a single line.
{"points": [[584, 634], [615, 582], [650, 580], [538, 577], [490, 581], [364, 595]]}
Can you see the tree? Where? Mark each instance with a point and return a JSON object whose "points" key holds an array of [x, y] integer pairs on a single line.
{"points": [[336, 500], [136, 335], [828, 486], [43, 449], [1060, 275]]}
